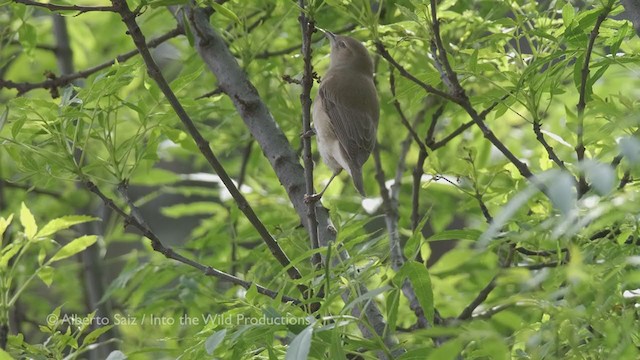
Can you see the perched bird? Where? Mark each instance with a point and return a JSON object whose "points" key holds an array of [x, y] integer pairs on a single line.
{"points": [[346, 110]]}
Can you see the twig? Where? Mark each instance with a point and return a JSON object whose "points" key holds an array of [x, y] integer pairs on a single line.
{"points": [[428, 88], [418, 170], [64, 80], [550, 152], [539, 252], [31, 189], [129, 18], [54, 7], [307, 27], [479, 299], [290, 49], [403, 118], [583, 187], [460, 97], [169, 253]]}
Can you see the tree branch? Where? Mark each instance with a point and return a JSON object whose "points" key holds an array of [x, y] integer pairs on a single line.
{"points": [[54, 7], [129, 18], [56, 82], [169, 253], [583, 187], [307, 27]]}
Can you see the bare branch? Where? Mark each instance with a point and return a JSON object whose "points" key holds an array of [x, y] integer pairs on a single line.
{"points": [[54, 7], [307, 27]]}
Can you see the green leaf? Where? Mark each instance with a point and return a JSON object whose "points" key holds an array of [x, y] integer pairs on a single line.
{"points": [[4, 224], [46, 274], [420, 280], [75, 246], [225, 12], [5, 355], [95, 334], [412, 246], [568, 13], [64, 222], [300, 345], [8, 252], [214, 340], [28, 222]]}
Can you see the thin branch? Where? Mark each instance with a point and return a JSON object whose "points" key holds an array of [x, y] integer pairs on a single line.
{"points": [[129, 18], [54, 7], [550, 152], [479, 299], [418, 170], [539, 252], [540, 265], [169, 253], [390, 205], [32, 189], [460, 97], [453, 135], [403, 118], [307, 27], [290, 49], [428, 88], [55, 82], [583, 187]]}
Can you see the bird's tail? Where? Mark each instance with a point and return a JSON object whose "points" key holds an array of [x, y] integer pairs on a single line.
{"points": [[356, 174]]}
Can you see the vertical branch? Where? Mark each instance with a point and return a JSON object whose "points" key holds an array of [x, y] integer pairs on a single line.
{"points": [[307, 28], [583, 187]]}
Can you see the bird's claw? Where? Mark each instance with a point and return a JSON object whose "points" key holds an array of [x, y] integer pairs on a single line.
{"points": [[309, 133], [309, 199]]}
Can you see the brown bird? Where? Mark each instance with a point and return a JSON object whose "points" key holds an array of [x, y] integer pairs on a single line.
{"points": [[346, 110]]}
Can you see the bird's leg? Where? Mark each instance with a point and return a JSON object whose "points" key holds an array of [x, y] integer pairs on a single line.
{"points": [[315, 197]]}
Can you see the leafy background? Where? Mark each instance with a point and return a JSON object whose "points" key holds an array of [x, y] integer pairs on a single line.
{"points": [[553, 270]]}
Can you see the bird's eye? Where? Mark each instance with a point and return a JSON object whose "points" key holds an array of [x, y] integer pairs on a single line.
{"points": [[342, 44]]}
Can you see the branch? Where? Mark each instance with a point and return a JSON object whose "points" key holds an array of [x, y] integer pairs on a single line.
{"points": [[461, 98], [545, 144], [428, 88], [55, 82], [418, 170], [129, 18], [290, 49], [54, 7], [307, 27], [391, 220], [583, 187], [169, 253], [403, 118], [33, 189], [539, 252], [480, 298]]}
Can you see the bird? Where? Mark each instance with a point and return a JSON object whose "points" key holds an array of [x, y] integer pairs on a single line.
{"points": [[346, 111]]}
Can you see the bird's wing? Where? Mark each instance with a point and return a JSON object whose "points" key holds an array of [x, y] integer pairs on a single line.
{"points": [[353, 116]]}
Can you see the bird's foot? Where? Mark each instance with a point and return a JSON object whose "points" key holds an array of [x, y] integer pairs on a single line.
{"points": [[307, 134], [310, 199]]}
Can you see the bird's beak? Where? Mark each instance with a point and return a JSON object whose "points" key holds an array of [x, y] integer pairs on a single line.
{"points": [[331, 36]]}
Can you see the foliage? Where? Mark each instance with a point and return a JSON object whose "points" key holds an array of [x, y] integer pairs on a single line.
{"points": [[545, 264]]}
